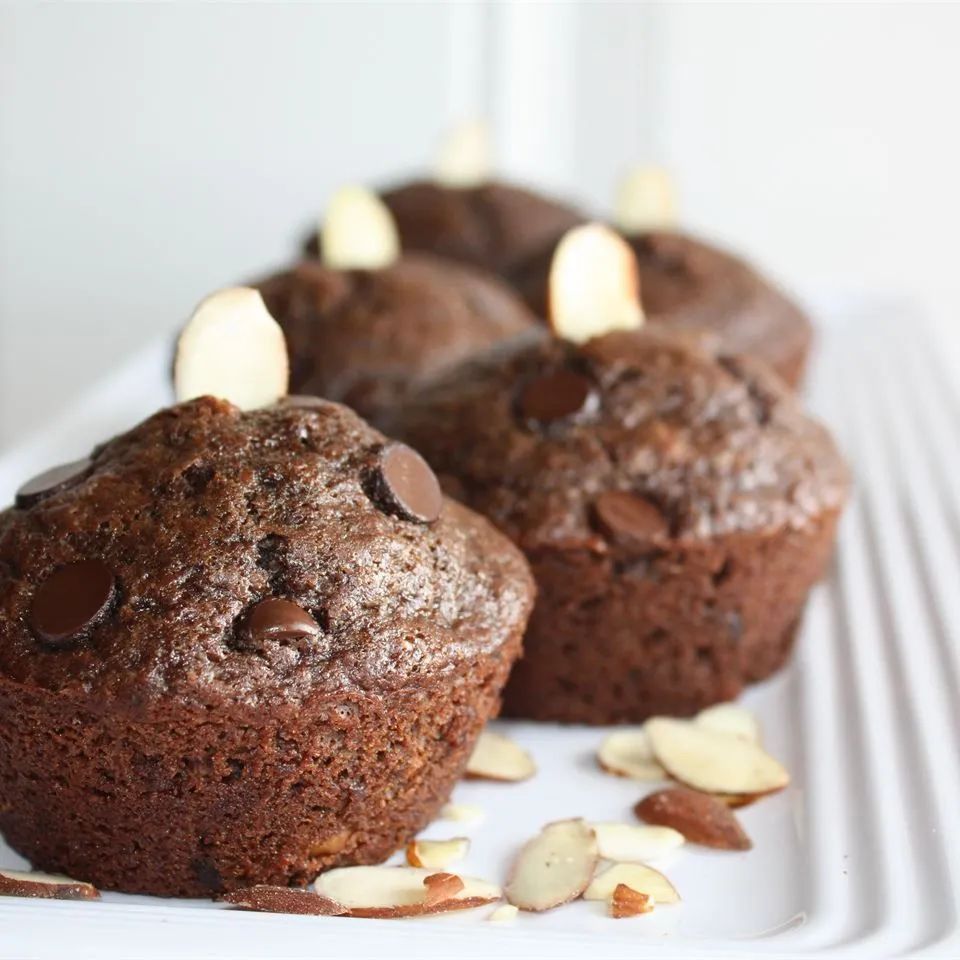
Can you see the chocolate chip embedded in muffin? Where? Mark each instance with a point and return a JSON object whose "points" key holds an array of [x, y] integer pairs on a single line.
{"points": [[223, 664], [52, 481], [405, 485], [555, 396]]}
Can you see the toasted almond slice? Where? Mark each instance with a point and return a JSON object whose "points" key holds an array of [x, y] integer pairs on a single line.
{"points": [[48, 886], [638, 877], [554, 867], [436, 854], [713, 762], [233, 349], [732, 719], [593, 285], [440, 887], [700, 817], [626, 842], [496, 757], [388, 892], [626, 902], [505, 913], [464, 159], [627, 753], [358, 232], [461, 812], [267, 899], [646, 201]]}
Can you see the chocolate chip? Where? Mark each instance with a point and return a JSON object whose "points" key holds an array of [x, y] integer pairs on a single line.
{"points": [[51, 481], [280, 621], [630, 518], [406, 486], [555, 396], [70, 599]]}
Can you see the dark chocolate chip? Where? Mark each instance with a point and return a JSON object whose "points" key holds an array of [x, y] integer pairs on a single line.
{"points": [[51, 481], [207, 874], [280, 621], [555, 396], [406, 486], [630, 518], [70, 599]]}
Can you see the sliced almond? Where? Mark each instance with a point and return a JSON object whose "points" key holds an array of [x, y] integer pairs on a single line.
{"points": [[593, 285], [496, 757], [554, 867], [47, 886], [627, 902], [504, 913], [626, 842], [461, 812], [440, 887], [627, 753], [700, 817], [713, 762], [387, 892], [646, 201], [267, 899], [233, 349], [437, 854], [732, 719], [464, 158], [358, 232], [636, 876]]}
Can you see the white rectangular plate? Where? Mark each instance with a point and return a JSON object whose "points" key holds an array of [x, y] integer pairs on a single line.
{"points": [[859, 857]]}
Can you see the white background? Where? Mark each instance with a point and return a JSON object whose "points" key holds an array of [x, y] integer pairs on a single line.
{"points": [[150, 153]]}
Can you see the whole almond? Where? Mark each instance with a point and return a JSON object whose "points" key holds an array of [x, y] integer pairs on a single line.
{"points": [[700, 817]]}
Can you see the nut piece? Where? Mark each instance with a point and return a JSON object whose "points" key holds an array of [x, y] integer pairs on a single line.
{"points": [[440, 887], [626, 842], [505, 913], [638, 877], [436, 854], [646, 201], [388, 892], [626, 902], [267, 899], [732, 719], [700, 817], [593, 285], [554, 867], [358, 232], [713, 762], [233, 349], [461, 812], [627, 753], [495, 757], [47, 886], [463, 160]]}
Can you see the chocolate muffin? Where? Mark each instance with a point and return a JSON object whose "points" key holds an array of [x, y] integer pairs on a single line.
{"points": [[240, 648], [364, 336], [689, 284], [676, 507], [494, 225]]}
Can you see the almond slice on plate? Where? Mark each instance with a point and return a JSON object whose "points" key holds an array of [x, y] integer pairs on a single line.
{"points": [[700, 817], [637, 877], [461, 812], [267, 899], [358, 232], [646, 201], [47, 886], [713, 762], [440, 887], [626, 842], [496, 757], [626, 902], [627, 753], [388, 892], [732, 719], [464, 160], [233, 349], [593, 285], [554, 867], [437, 854]]}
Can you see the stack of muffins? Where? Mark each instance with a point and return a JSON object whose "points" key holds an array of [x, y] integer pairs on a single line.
{"points": [[249, 641]]}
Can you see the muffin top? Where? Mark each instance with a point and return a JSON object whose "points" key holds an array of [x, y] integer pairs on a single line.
{"points": [[260, 558], [689, 284], [646, 435], [364, 336]]}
